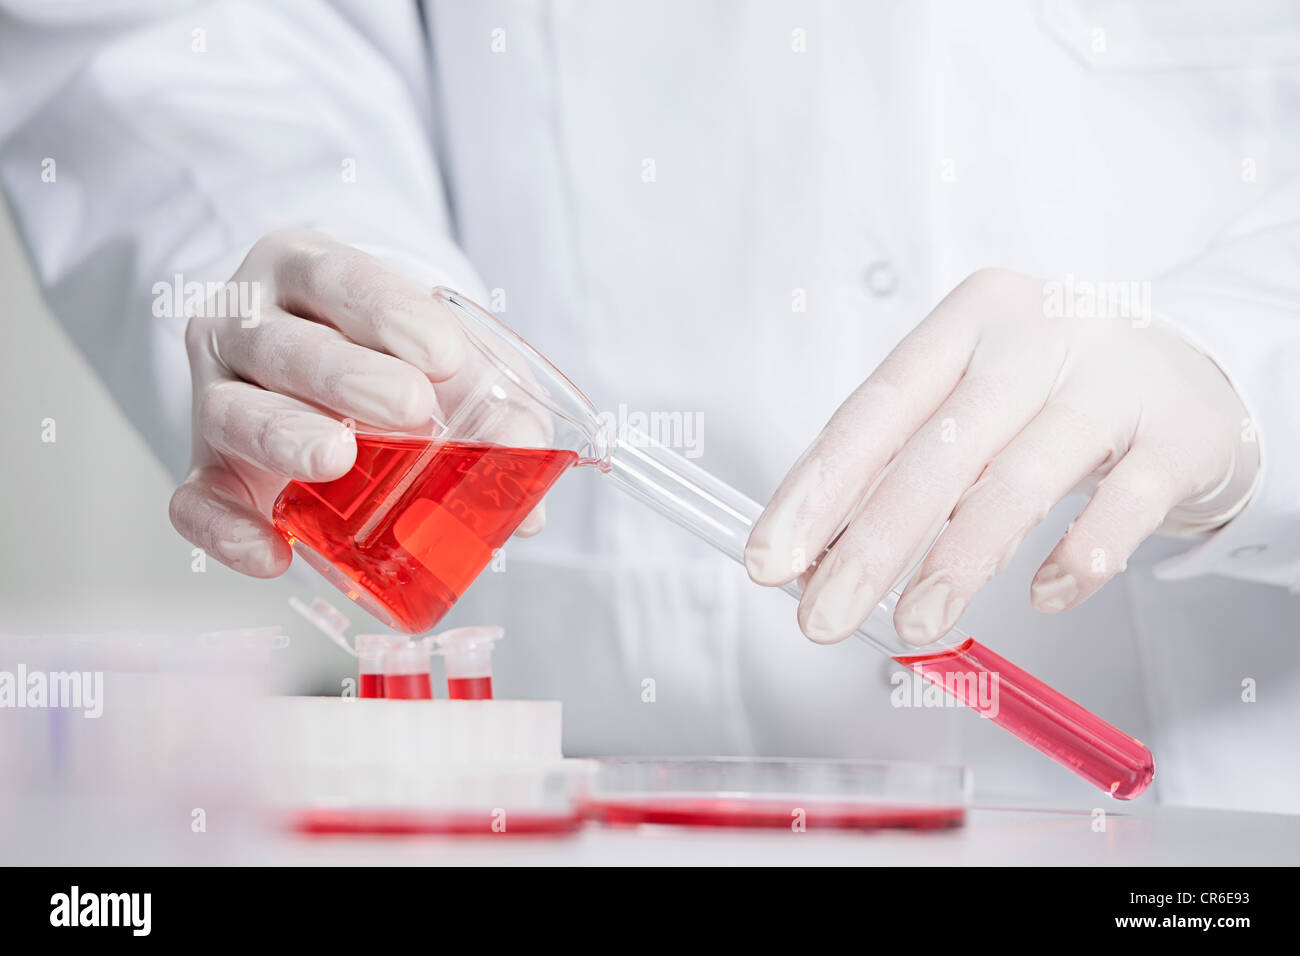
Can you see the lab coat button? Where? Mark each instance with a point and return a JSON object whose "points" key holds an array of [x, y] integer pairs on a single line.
{"points": [[881, 278]]}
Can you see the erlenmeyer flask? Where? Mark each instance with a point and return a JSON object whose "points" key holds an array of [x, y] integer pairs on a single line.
{"points": [[420, 515]]}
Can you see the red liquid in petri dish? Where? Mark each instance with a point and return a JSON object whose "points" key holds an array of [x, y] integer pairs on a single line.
{"points": [[1040, 716], [413, 822], [706, 811], [415, 521], [469, 688], [408, 687], [370, 685]]}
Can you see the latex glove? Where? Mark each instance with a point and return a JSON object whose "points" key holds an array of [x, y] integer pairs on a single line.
{"points": [[984, 416], [337, 336]]}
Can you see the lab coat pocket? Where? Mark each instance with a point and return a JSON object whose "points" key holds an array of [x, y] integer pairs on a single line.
{"points": [[1163, 35]]}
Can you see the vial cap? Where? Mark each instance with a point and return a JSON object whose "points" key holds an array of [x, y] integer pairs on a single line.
{"points": [[328, 619], [468, 650], [409, 657]]}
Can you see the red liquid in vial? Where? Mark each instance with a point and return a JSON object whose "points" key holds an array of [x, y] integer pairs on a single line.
{"points": [[686, 811], [1043, 718], [414, 522], [469, 688], [370, 685], [408, 687]]}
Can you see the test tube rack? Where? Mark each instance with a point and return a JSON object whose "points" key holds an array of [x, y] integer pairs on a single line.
{"points": [[340, 752]]}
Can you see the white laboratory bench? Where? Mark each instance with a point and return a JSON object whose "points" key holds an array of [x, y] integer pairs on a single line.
{"points": [[94, 830], [1150, 836]]}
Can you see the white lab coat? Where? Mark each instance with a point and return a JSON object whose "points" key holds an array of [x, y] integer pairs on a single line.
{"points": [[732, 210]]}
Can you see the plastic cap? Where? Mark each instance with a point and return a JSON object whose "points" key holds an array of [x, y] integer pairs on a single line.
{"points": [[328, 619], [468, 650], [372, 650], [410, 657]]}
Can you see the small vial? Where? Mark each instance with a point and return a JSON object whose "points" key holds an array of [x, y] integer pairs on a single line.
{"points": [[468, 653], [406, 672], [372, 649]]}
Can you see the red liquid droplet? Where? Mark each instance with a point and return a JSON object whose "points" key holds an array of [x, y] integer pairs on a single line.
{"points": [[415, 521], [1045, 719], [469, 688], [768, 813], [408, 687], [371, 685]]}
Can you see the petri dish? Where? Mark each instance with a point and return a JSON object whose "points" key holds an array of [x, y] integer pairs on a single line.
{"points": [[793, 794], [424, 821]]}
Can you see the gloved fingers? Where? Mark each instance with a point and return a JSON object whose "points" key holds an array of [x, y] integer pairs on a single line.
{"points": [[274, 432], [518, 425], [1038, 468], [1128, 505], [287, 354], [828, 481], [501, 416], [369, 303], [534, 523], [498, 392], [503, 412], [211, 509], [909, 506]]}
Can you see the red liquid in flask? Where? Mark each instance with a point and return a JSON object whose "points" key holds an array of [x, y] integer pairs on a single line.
{"points": [[408, 687], [1045, 719], [469, 688], [414, 522], [370, 685]]}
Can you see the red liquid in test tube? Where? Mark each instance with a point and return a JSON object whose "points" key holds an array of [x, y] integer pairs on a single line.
{"points": [[408, 687], [372, 651], [1042, 717], [468, 655], [469, 688], [406, 672]]}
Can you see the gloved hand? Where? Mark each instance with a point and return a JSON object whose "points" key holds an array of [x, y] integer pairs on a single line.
{"points": [[984, 416], [337, 334]]}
